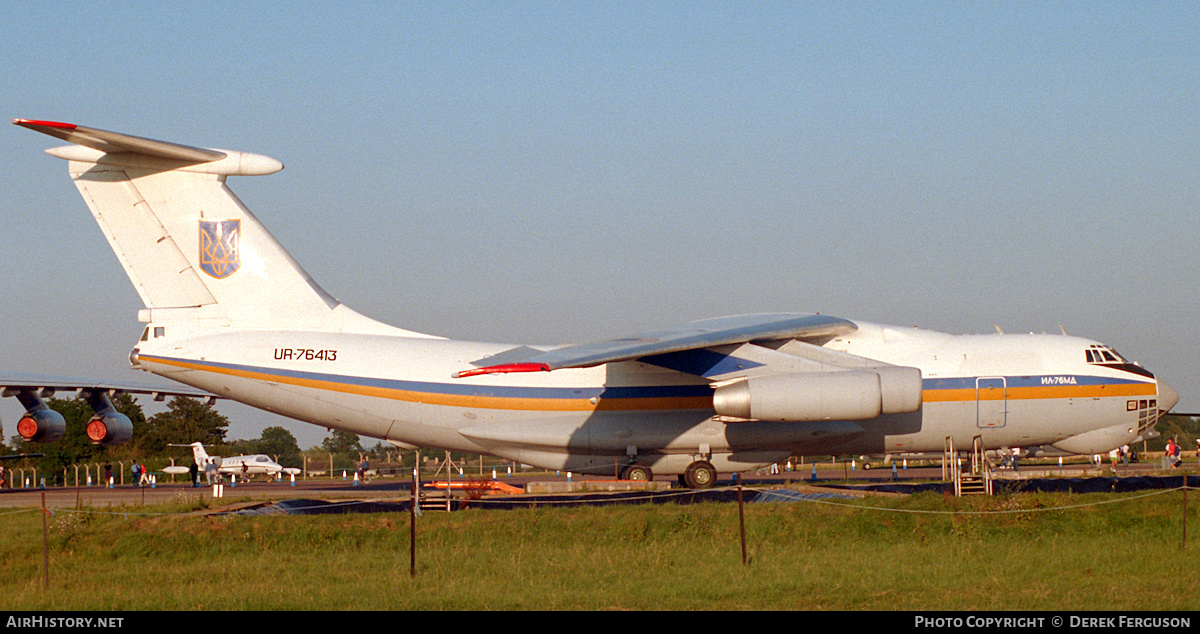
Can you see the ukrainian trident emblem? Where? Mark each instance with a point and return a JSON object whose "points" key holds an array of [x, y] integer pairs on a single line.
{"points": [[219, 247]]}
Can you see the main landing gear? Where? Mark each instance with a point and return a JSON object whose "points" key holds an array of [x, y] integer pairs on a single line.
{"points": [[701, 474], [638, 472]]}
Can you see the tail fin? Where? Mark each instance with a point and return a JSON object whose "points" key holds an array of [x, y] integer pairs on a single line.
{"points": [[191, 248], [200, 454]]}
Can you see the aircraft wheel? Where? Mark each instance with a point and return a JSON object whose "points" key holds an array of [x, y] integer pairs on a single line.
{"points": [[700, 475], [638, 472]]}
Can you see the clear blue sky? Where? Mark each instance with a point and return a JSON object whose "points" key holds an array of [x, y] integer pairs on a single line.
{"points": [[557, 172]]}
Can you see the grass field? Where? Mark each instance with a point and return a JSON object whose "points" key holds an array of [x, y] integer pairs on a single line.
{"points": [[923, 552]]}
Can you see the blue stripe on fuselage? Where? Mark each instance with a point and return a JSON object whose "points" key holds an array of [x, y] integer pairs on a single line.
{"points": [[457, 389]]}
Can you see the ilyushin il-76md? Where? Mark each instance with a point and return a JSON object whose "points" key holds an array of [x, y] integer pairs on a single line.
{"points": [[229, 311]]}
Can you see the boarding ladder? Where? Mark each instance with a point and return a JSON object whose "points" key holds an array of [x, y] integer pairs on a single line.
{"points": [[974, 478]]}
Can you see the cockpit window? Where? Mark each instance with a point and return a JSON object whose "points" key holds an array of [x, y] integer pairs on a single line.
{"points": [[1103, 355]]}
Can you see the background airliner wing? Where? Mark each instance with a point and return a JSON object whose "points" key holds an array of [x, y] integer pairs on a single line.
{"points": [[13, 382], [699, 335]]}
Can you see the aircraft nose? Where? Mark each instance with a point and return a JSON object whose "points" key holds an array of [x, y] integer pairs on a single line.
{"points": [[1167, 396]]}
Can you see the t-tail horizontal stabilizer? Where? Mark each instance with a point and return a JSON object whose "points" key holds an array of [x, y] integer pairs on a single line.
{"points": [[115, 148]]}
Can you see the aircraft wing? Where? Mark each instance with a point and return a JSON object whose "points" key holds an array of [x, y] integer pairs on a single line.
{"points": [[12, 383], [107, 427], [706, 334], [761, 367]]}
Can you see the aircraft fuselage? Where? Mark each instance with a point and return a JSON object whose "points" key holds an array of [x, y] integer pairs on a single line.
{"points": [[255, 465], [1012, 390]]}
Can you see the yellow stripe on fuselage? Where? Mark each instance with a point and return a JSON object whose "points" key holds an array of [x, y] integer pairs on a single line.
{"points": [[1041, 392]]}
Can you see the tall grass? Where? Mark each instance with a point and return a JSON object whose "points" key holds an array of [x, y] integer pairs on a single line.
{"points": [[924, 552]]}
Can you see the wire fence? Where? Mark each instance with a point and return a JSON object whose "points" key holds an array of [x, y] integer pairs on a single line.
{"points": [[754, 495]]}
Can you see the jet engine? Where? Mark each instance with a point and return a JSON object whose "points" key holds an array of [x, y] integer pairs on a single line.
{"points": [[41, 425], [848, 395], [109, 428]]}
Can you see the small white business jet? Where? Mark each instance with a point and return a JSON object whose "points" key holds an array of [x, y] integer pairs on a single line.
{"points": [[107, 426], [233, 465], [229, 311]]}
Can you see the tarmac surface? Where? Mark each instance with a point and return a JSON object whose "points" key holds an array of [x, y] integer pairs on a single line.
{"points": [[393, 493]]}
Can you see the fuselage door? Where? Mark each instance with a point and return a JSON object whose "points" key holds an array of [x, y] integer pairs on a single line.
{"points": [[991, 401]]}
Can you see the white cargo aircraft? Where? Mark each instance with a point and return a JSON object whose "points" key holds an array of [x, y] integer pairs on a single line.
{"points": [[229, 311]]}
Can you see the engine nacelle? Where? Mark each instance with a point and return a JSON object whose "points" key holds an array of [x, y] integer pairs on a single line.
{"points": [[41, 425], [848, 395], [109, 428]]}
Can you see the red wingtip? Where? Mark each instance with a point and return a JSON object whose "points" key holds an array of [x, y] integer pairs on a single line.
{"points": [[504, 368], [46, 124]]}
